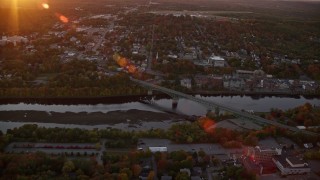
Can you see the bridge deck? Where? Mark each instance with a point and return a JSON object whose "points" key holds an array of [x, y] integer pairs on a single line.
{"points": [[212, 105]]}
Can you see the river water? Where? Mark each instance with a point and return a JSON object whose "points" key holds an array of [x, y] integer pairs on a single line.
{"points": [[185, 106]]}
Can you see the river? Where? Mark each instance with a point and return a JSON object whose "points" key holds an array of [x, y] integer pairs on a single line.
{"points": [[261, 104]]}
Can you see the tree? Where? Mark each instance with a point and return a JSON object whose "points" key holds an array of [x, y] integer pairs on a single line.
{"points": [[201, 153], [127, 171], [123, 176], [136, 170], [251, 140], [68, 167], [150, 175], [308, 123], [182, 176]]}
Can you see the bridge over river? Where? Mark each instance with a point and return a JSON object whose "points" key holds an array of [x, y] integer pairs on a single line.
{"points": [[212, 105]]}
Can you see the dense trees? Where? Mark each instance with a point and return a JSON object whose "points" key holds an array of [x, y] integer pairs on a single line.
{"points": [[31, 165], [33, 133], [128, 166], [314, 154], [238, 173], [305, 115]]}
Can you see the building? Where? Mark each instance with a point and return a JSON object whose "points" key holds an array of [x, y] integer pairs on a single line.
{"points": [[186, 170], [234, 83], [216, 61], [190, 56], [258, 74], [158, 149], [291, 165], [262, 155], [13, 39], [259, 161], [308, 145], [186, 83], [244, 74]]}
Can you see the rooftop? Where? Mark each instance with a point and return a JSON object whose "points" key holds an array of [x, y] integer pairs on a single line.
{"points": [[295, 161], [283, 160]]}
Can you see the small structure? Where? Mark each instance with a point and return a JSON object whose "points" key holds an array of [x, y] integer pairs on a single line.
{"points": [[158, 149], [186, 83], [308, 145], [216, 61], [13, 39], [186, 170]]}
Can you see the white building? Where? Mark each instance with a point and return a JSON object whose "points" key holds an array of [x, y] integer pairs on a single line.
{"points": [[216, 61], [291, 165], [186, 170], [13, 39], [186, 83], [158, 149], [234, 83]]}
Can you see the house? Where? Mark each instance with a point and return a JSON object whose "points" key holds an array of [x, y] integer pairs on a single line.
{"points": [[234, 83], [244, 74], [73, 39], [283, 85], [173, 56], [190, 55], [216, 61], [135, 48], [186, 83], [308, 145], [146, 168], [186, 170], [291, 165]]}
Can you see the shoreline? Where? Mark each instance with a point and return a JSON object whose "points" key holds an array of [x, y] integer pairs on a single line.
{"points": [[134, 98], [132, 117]]}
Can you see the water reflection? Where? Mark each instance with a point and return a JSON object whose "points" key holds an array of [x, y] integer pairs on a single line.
{"points": [[162, 103]]}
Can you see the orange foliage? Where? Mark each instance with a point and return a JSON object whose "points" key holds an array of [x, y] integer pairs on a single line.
{"points": [[132, 69], [122, 62], [207, 124], [136, 170]]}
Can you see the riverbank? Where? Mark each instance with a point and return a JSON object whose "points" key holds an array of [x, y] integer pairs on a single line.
{"points": [[137, 98], [133, 116]]}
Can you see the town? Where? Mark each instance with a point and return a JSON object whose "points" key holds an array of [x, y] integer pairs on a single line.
{"points": [[192, 51]]}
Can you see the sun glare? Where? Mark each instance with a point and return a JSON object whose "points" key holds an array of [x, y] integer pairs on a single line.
{"points": [[207, 124], [62, 18], [14, 18], [45, 6]]}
